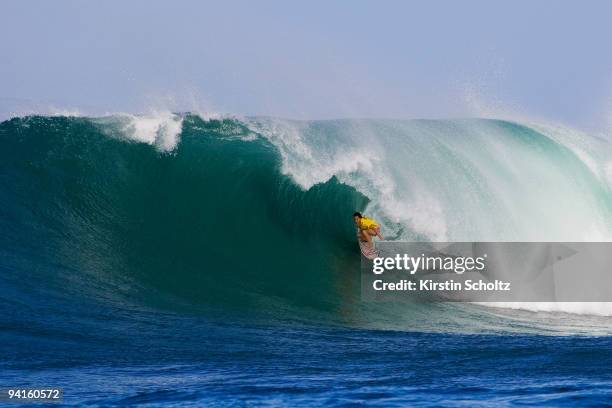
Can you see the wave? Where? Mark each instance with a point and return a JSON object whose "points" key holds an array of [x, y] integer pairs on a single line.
{"points": [[254, 214]]}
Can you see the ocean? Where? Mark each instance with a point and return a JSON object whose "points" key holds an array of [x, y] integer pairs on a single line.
{"points": [[176, 259]]}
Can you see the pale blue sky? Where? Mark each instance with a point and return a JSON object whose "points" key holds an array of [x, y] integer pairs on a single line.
{"points": [[311, 59]]}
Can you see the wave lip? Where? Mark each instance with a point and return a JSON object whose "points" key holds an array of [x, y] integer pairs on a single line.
{"points": [[160, 129], [458, 180]]}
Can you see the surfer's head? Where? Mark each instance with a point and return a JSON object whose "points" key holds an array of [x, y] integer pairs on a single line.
{"points": [[357, 216]]}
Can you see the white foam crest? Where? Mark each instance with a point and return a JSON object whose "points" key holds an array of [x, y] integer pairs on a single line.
{"points": [[299, 160], [360, 163], [580, 308], [160, 129]]}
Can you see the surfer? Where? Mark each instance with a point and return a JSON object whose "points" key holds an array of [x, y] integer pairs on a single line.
{"points": [[367, 228]]}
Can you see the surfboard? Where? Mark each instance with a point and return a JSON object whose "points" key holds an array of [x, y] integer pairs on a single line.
{"points": [[366, 250]]}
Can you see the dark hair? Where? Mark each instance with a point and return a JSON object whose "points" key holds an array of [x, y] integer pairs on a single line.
{"points": [[357, 214]]}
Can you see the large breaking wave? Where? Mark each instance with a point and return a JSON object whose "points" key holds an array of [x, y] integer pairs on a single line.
{"points": [[254, 214]]}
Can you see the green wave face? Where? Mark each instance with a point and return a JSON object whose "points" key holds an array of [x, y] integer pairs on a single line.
{"points": [[254, 215], [213, 222]]}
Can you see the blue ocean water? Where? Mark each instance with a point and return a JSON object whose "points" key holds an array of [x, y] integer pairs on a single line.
{"points": [[181, 261], [174, 360]]}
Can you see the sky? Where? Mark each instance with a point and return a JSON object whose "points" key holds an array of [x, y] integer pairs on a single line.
{"points": [[311, 59]]}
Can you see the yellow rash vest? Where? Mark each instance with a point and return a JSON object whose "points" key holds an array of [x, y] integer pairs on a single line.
{"points": [[367, 223]]}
